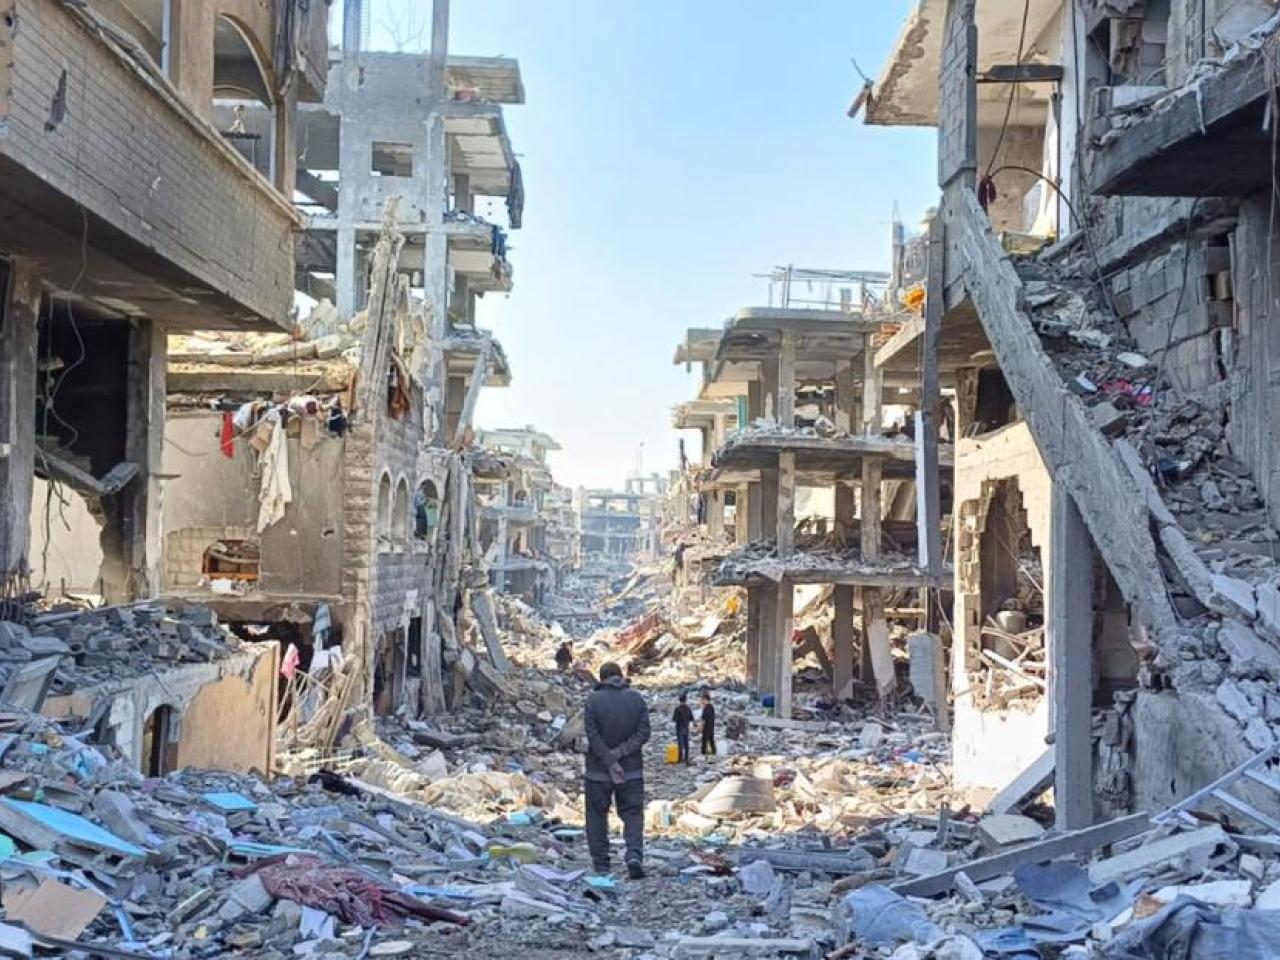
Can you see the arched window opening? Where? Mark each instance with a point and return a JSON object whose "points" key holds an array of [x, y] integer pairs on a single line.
{"points": [[383, 532], [244, 107], [160, 742], [400, 529], [426, 510]]}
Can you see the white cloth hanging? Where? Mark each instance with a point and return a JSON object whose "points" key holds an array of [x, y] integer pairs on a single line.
{"points": [[275, 492]]}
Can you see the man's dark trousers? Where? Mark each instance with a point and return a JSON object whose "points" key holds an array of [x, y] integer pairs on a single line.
{"points": [[682, 744], [628, 797]]}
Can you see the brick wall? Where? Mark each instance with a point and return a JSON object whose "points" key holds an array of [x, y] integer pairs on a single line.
{"points": [[184, 552]]}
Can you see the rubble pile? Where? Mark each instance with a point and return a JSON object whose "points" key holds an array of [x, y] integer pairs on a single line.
{"points": [[95, 646], [1219, 553], [813, 552]]}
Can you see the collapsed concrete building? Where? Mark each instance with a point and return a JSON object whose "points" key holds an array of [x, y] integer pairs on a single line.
{"points": [[622, 526], [132, 210], [811, 386], [316, 477], [1098, 283], [517, 497], [133, 207]]}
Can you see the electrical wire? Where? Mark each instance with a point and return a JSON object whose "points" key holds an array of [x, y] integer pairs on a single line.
{"points": [[1084, 230], [1013, 86]]}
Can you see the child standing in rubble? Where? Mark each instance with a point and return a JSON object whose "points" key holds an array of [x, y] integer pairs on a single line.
{"points": [[708, 725], [683, 718]]}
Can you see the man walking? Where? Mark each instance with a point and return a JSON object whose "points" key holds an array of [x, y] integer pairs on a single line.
{"points": [[617, 723]]}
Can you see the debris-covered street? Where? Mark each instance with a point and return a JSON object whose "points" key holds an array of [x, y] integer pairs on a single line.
{"points": [[376, 581]]}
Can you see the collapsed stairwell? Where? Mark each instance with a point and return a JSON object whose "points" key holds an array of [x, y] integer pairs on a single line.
{"points": [[1206, 608]]}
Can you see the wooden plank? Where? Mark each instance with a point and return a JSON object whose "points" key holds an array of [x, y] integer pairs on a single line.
{"points": [[1068, 844], [1075, 452]]}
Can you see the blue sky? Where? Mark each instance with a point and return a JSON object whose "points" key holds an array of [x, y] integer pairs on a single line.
{"points": [[671, 149]]}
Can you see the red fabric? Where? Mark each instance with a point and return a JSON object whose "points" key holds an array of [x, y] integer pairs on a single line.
{"points": [[228, 435], [346, 893]]}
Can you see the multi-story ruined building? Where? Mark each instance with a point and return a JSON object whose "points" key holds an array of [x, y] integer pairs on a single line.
{"points": [[823, 472], [514, 516], [623, 525], [1099, 284], [374, 547], [132, 207]]}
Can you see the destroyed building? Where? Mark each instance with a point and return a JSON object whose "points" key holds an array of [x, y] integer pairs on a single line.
{"points": [[515, 501], [133, 208], [622, 525], [1099, 279], [354, 529], [825, 472]]}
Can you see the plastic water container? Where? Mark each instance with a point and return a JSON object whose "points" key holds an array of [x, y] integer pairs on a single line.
{"points": [[673, 753]]}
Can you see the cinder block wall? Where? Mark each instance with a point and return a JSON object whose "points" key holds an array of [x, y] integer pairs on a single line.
{"points": [[184, 552]]}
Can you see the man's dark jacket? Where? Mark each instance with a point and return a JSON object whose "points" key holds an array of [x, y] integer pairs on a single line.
{"points": [[617, 722]]}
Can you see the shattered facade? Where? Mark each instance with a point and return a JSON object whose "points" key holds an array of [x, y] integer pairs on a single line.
{"points": [[832, 472], [1101, 296], [516, 514]]}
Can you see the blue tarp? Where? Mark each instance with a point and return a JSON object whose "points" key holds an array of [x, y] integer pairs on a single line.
{"points": [[73, 827], [1190, 930]]}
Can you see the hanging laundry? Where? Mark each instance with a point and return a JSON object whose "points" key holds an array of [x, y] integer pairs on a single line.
{"points": [[243, 417], [226, 442], [276, 492], [321, 624], [337, 422], [289, 665]]}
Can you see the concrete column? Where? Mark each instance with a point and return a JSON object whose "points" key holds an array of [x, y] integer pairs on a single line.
{"points": [[19, 328], [875, 628], [781, 647], [285, 145], [769, 390], [787, 381], [872, 389], [846, 396], [463, 201], [842, 637], [755, 401], [928, 470], [741, 514], [715, 513], [1069, 625], [504, 543], [753, 636], [769, 502], [842, 597], [766, 673], [345, 280], [132, 540], [786, 500], [966, 399], [755, 512]]}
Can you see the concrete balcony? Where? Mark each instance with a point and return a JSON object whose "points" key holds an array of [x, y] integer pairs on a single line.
{"points": [[121, 193]]}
